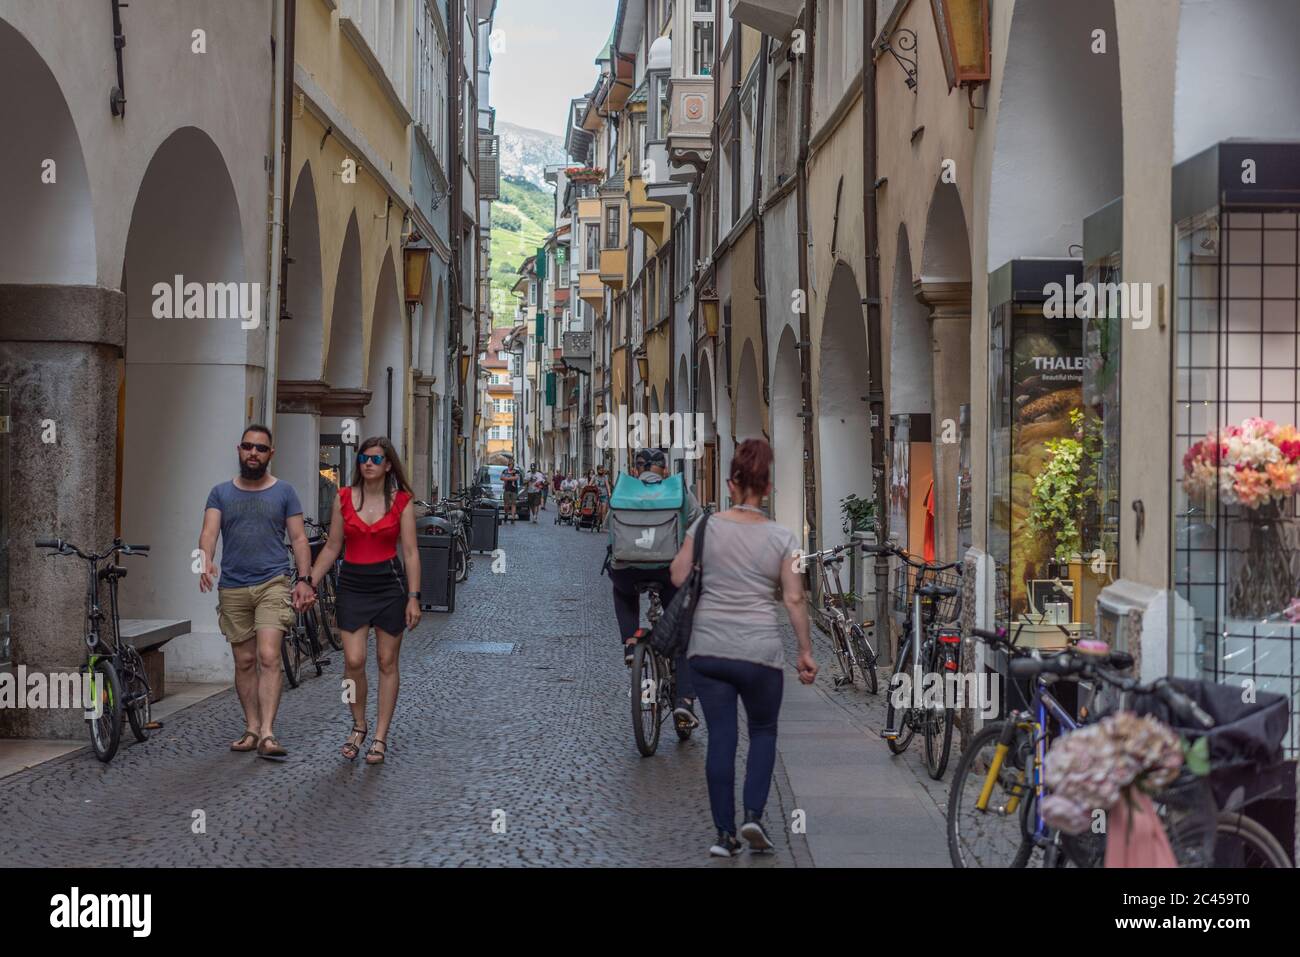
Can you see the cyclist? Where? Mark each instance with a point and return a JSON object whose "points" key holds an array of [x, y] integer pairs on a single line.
{"points": [[650, 466]]}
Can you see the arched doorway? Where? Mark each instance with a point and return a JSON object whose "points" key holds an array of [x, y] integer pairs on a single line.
{"points": [[787, 436], [843, 421], [188, 380], [706, 474], [683, 456], [386, 379], [301, 353], [749, 403], [343, 367]]}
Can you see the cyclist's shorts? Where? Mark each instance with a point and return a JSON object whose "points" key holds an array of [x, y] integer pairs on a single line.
{"points": [[241, 611]]}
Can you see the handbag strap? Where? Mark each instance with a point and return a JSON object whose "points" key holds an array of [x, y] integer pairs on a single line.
{"points": [[697, 567]]}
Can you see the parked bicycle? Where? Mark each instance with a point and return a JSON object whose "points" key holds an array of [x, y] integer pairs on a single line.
{"points": [[114, 668], [993, 805], [853, 651], [326, 591], [654, 682], [449, 517], [928, 651], [302, 641]]}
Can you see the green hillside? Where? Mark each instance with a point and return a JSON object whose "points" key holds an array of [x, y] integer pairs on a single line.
{"points": [[521, 220]]}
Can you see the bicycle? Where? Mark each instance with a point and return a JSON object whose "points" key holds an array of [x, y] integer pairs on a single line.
{"points": [[114, 669], [326, 609], [654, 682], [301, 641], [1006, 758], [931, 649], [848, 638]]}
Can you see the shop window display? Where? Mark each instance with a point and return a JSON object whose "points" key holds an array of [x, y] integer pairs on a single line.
{"points": [[1236, 463], [1053, 470]]}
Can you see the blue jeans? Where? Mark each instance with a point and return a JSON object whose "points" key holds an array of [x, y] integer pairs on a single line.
{"points": [[719, 682]]}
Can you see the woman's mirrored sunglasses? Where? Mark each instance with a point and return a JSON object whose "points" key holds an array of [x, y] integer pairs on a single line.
{"points": [[378, 458]]}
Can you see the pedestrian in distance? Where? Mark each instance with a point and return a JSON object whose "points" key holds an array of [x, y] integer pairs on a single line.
{"points": [[375, 589], [736, 651], [251, 514], [536, 483], [510, 482]]}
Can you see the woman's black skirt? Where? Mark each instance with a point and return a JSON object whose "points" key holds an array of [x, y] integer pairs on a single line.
{"points": [[372, 595]]}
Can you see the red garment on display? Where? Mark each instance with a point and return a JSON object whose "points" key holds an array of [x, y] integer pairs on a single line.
{"points": [[929, 523], [366, 544]]}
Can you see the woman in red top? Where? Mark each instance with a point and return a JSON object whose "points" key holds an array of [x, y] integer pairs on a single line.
{"points": [[373, 591]]}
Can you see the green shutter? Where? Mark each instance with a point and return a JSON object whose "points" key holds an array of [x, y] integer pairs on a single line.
{"points": [[541, 263], [550, 388], [541, 328]]}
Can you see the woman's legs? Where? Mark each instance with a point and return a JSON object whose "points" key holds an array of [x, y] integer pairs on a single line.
{"points": [[718, 697], [354, 670], [760, 689], [387, 649]]}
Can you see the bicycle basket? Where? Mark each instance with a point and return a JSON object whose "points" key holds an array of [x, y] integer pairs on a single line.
{"points": [[906, 580], [1187, 809]]}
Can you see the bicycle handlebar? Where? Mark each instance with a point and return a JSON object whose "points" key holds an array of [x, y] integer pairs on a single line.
{"points": [[67, 548]]}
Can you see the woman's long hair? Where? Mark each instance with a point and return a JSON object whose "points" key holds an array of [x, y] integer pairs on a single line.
{"points": [[396, 480]]}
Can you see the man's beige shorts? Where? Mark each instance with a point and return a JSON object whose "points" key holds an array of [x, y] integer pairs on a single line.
{"points": [[241, 611]]}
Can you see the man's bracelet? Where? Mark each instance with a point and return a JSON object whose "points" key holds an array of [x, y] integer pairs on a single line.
{"points": [[412, 594]]}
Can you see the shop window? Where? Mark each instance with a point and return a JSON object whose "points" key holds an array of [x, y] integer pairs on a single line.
{"points": [[1236, 462], [1053, 514]]}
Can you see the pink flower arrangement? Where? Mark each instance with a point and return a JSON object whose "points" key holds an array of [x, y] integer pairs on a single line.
{"points": [[1249, 464]]}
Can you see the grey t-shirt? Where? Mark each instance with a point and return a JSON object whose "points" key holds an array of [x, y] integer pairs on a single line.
{"points": [[739, 615], [252, 532]]}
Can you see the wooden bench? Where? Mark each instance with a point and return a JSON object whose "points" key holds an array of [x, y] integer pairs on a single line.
{"points": [[148, 635]]}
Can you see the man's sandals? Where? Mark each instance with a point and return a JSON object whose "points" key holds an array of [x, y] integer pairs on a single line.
{"points": [[374, 756], [247, 742], [350, 749]]}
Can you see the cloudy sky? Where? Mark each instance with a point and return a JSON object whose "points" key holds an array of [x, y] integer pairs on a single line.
{"points": [[548, 58]]}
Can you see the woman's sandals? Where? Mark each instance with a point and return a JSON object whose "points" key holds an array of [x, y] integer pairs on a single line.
{"points": [[374, 756], [351, 750]]}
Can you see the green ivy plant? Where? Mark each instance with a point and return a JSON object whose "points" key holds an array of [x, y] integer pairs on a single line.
{"points": [[1061, 489], [859, 514]]}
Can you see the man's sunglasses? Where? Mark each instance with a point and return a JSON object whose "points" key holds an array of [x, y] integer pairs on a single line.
{"points": [[249, 446], [378, 459]]}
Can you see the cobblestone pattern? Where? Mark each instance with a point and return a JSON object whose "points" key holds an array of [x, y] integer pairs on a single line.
{"points": [[542, 734]]}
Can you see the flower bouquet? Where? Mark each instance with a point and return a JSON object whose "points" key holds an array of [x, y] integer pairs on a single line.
{"points": [[1113, 766], [1255, 465]]}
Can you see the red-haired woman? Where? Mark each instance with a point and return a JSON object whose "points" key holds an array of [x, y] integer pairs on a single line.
{"points": [[736, 646], [372, 515]]}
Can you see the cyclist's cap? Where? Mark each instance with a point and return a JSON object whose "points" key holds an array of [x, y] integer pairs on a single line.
{"points": [[650, 457]]}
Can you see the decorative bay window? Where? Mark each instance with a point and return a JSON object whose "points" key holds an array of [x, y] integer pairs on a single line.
{"points": [[703, 39]]}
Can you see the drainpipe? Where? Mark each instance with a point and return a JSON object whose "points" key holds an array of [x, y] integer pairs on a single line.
{"points": [[805, 321], [875, 381], [760, 253], [279, 251], [455, 30]]}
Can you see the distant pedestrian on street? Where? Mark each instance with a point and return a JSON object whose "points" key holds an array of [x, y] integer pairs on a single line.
{"points": [[510, 482], [251, 514], [736, 648], [536, 482], [373, 590]]}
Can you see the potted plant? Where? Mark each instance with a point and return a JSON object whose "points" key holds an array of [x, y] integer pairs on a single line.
{"points": [[858, 514]]}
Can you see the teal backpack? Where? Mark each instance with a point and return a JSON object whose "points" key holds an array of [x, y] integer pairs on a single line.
{"points": [[647, 520]]}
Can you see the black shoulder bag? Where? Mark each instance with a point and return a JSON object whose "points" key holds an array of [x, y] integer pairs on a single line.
{"points": [[672, 633]]}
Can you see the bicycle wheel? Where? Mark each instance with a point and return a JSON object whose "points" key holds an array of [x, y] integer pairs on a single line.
{"points": [[938, 725], [993, 837], [843, 656], [898, 715], [106, 727], [311, 630], [462, 561], [136, 687], [646, 708], [328, 621], [291, 652], [1240, 841], [865, 656]]}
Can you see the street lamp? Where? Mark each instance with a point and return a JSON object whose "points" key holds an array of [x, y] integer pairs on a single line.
{"points": [[709, 310], [417, 263], [963, 28]]}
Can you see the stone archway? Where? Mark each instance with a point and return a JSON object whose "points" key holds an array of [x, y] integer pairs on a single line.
{"points": [[1058, 148], [749, 402], [386, 375], [706, 469], [843, 420], [787, 435], [188, 380]]}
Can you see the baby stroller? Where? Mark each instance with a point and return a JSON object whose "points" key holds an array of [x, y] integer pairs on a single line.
{"points": [[589, 508], [564, 504]]}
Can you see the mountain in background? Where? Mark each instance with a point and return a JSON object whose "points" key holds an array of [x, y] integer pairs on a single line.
{"points": [[521, 220], [526, 153]]}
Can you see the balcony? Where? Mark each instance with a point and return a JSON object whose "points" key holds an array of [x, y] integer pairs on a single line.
{"points": [[649, 217], [659, 187], [589, 209], [776, 18], [690, 125], [591, 290], [613, 268]]}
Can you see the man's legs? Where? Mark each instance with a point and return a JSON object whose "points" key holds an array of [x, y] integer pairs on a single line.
{"points": [[271, 679], [627, 603], [245, 653]]}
